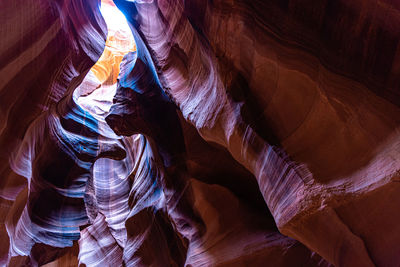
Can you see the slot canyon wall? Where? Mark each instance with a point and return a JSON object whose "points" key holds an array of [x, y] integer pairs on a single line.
{"points": [[230, 133]]}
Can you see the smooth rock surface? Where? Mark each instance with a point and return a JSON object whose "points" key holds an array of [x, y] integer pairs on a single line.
{"points": [[209, 133]]}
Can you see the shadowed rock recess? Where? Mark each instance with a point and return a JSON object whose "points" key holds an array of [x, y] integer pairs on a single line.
{"points": [[200, 133]]}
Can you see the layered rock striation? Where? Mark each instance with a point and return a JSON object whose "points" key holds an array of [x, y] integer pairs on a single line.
{"points": [[220, 133]]}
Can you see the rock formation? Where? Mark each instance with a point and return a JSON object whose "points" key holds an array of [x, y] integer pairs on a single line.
{"points": [[208, 133]]}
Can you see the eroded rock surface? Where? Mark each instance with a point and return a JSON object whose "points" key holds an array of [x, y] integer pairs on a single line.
{"points": [[233, 133]]}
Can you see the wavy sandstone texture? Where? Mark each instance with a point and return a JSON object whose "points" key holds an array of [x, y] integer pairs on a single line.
{"points": [[238, 133]]}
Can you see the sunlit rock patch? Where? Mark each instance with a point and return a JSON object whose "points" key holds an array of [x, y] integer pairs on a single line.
{"points": [[99, 86]]}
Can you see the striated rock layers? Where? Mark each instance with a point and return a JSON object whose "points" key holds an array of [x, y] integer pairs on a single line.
{"points": [[238, 133]]}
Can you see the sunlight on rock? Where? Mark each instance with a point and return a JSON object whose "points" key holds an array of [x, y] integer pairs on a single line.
{"points": [[97, 90], [119, 42]]}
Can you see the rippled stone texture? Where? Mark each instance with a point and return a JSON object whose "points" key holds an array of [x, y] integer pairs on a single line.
{"points": [[48, 50], [253, 75], [236, 123]]}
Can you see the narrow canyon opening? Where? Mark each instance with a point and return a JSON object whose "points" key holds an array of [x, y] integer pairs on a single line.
{"points": [[95, 93]]}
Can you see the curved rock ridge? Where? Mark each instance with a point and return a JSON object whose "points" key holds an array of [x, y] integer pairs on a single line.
{"points": [[248, 84], [48, 50], [134, 224], [208, 133], [45, 52], [130, 212], [56, 158], [141, 107]]}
